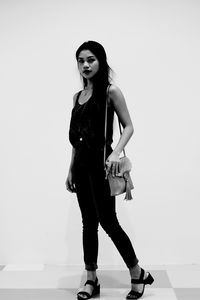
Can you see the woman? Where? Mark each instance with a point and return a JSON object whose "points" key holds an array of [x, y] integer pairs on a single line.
{"points": [[86, 174]]}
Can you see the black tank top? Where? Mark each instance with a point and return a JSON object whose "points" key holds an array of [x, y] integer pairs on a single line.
{"points": [[86, 132]]}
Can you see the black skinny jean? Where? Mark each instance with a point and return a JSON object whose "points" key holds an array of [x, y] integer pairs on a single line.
{"points": [[97, 206]]}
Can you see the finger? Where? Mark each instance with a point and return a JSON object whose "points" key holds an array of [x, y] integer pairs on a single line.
{"points": [[113, 169], [108, 170], [108, 163], [106, 174], [73, 188], [108, 166], [69, 187], [117, 169]]}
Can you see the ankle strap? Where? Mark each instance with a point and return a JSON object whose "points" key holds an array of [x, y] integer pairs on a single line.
{"points": [[92, 283], [140, 280]]}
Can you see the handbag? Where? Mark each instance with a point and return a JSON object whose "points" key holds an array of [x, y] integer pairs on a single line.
{"points": [[122, 182]]}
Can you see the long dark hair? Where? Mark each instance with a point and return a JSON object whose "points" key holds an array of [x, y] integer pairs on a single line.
{"points": [[103, 77], [100, 82]]}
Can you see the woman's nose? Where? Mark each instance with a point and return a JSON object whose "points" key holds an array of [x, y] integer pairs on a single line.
{"points": [[85, 65]]}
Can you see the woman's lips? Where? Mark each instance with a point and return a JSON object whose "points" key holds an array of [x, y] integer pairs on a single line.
{"points": [[87, 72]]}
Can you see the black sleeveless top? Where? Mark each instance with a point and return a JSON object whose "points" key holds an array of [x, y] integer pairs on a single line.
{"points": [[86, 132]]}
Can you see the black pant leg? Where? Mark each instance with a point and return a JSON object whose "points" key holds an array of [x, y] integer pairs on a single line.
{"points": [[89, 218], [106, 211]]}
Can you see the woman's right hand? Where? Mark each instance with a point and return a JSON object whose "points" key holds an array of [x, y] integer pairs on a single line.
{"points": [[70, 185]]}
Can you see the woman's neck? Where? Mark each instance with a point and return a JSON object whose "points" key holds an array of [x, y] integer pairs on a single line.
{"points": [[89, 85]]}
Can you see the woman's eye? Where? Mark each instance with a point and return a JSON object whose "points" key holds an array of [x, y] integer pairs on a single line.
{"points": [[91, 60]]}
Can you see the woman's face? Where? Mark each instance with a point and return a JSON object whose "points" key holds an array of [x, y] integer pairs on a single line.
{"points": [[88, 64]]}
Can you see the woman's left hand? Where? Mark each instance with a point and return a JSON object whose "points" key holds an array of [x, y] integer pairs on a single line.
{"points": [[112, 164]]}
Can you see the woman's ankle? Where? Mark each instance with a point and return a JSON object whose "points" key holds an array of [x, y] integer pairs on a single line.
{"points": [[135, 271], [91, 275]]}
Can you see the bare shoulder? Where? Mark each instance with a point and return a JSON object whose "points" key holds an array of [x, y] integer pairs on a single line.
{"points": [[114, 89], [74, 98], [115, 93]]}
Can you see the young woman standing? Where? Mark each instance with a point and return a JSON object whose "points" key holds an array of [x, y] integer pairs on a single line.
{"points": [[86, 174]]}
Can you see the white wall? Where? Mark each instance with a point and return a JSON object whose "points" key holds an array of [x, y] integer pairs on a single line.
{"points": [[154, 47]]}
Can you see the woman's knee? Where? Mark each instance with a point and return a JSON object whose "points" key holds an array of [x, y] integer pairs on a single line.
{"points": [[110, 225], [90, 226]]}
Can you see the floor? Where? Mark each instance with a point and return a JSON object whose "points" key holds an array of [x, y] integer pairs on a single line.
{"points": [[52, 282]]}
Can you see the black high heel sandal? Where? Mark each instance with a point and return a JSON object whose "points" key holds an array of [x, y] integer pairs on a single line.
{"points": [[86, 295], [148, 280]]}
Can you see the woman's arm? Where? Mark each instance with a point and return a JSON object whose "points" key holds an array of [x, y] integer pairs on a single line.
{"points": [[72, 159], [118, 101], [69, 181]]}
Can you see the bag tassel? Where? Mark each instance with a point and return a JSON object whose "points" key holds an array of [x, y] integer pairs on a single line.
{"points": [[128, 195]]}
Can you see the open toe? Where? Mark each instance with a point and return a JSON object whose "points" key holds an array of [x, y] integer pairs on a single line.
{"points": [[148, 280], [85, 295]]}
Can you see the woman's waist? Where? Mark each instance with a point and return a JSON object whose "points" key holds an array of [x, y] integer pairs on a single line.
{"points": [[91, 154], [89, 142]]}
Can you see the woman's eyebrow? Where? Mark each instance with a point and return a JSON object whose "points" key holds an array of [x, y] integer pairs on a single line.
{"points": [[91, 56]]}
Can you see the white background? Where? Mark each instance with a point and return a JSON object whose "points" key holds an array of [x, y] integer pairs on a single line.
{"points": [[153, 47]]}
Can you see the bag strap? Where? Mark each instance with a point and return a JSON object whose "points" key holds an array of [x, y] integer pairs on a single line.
{"points": [[105, 128]]}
